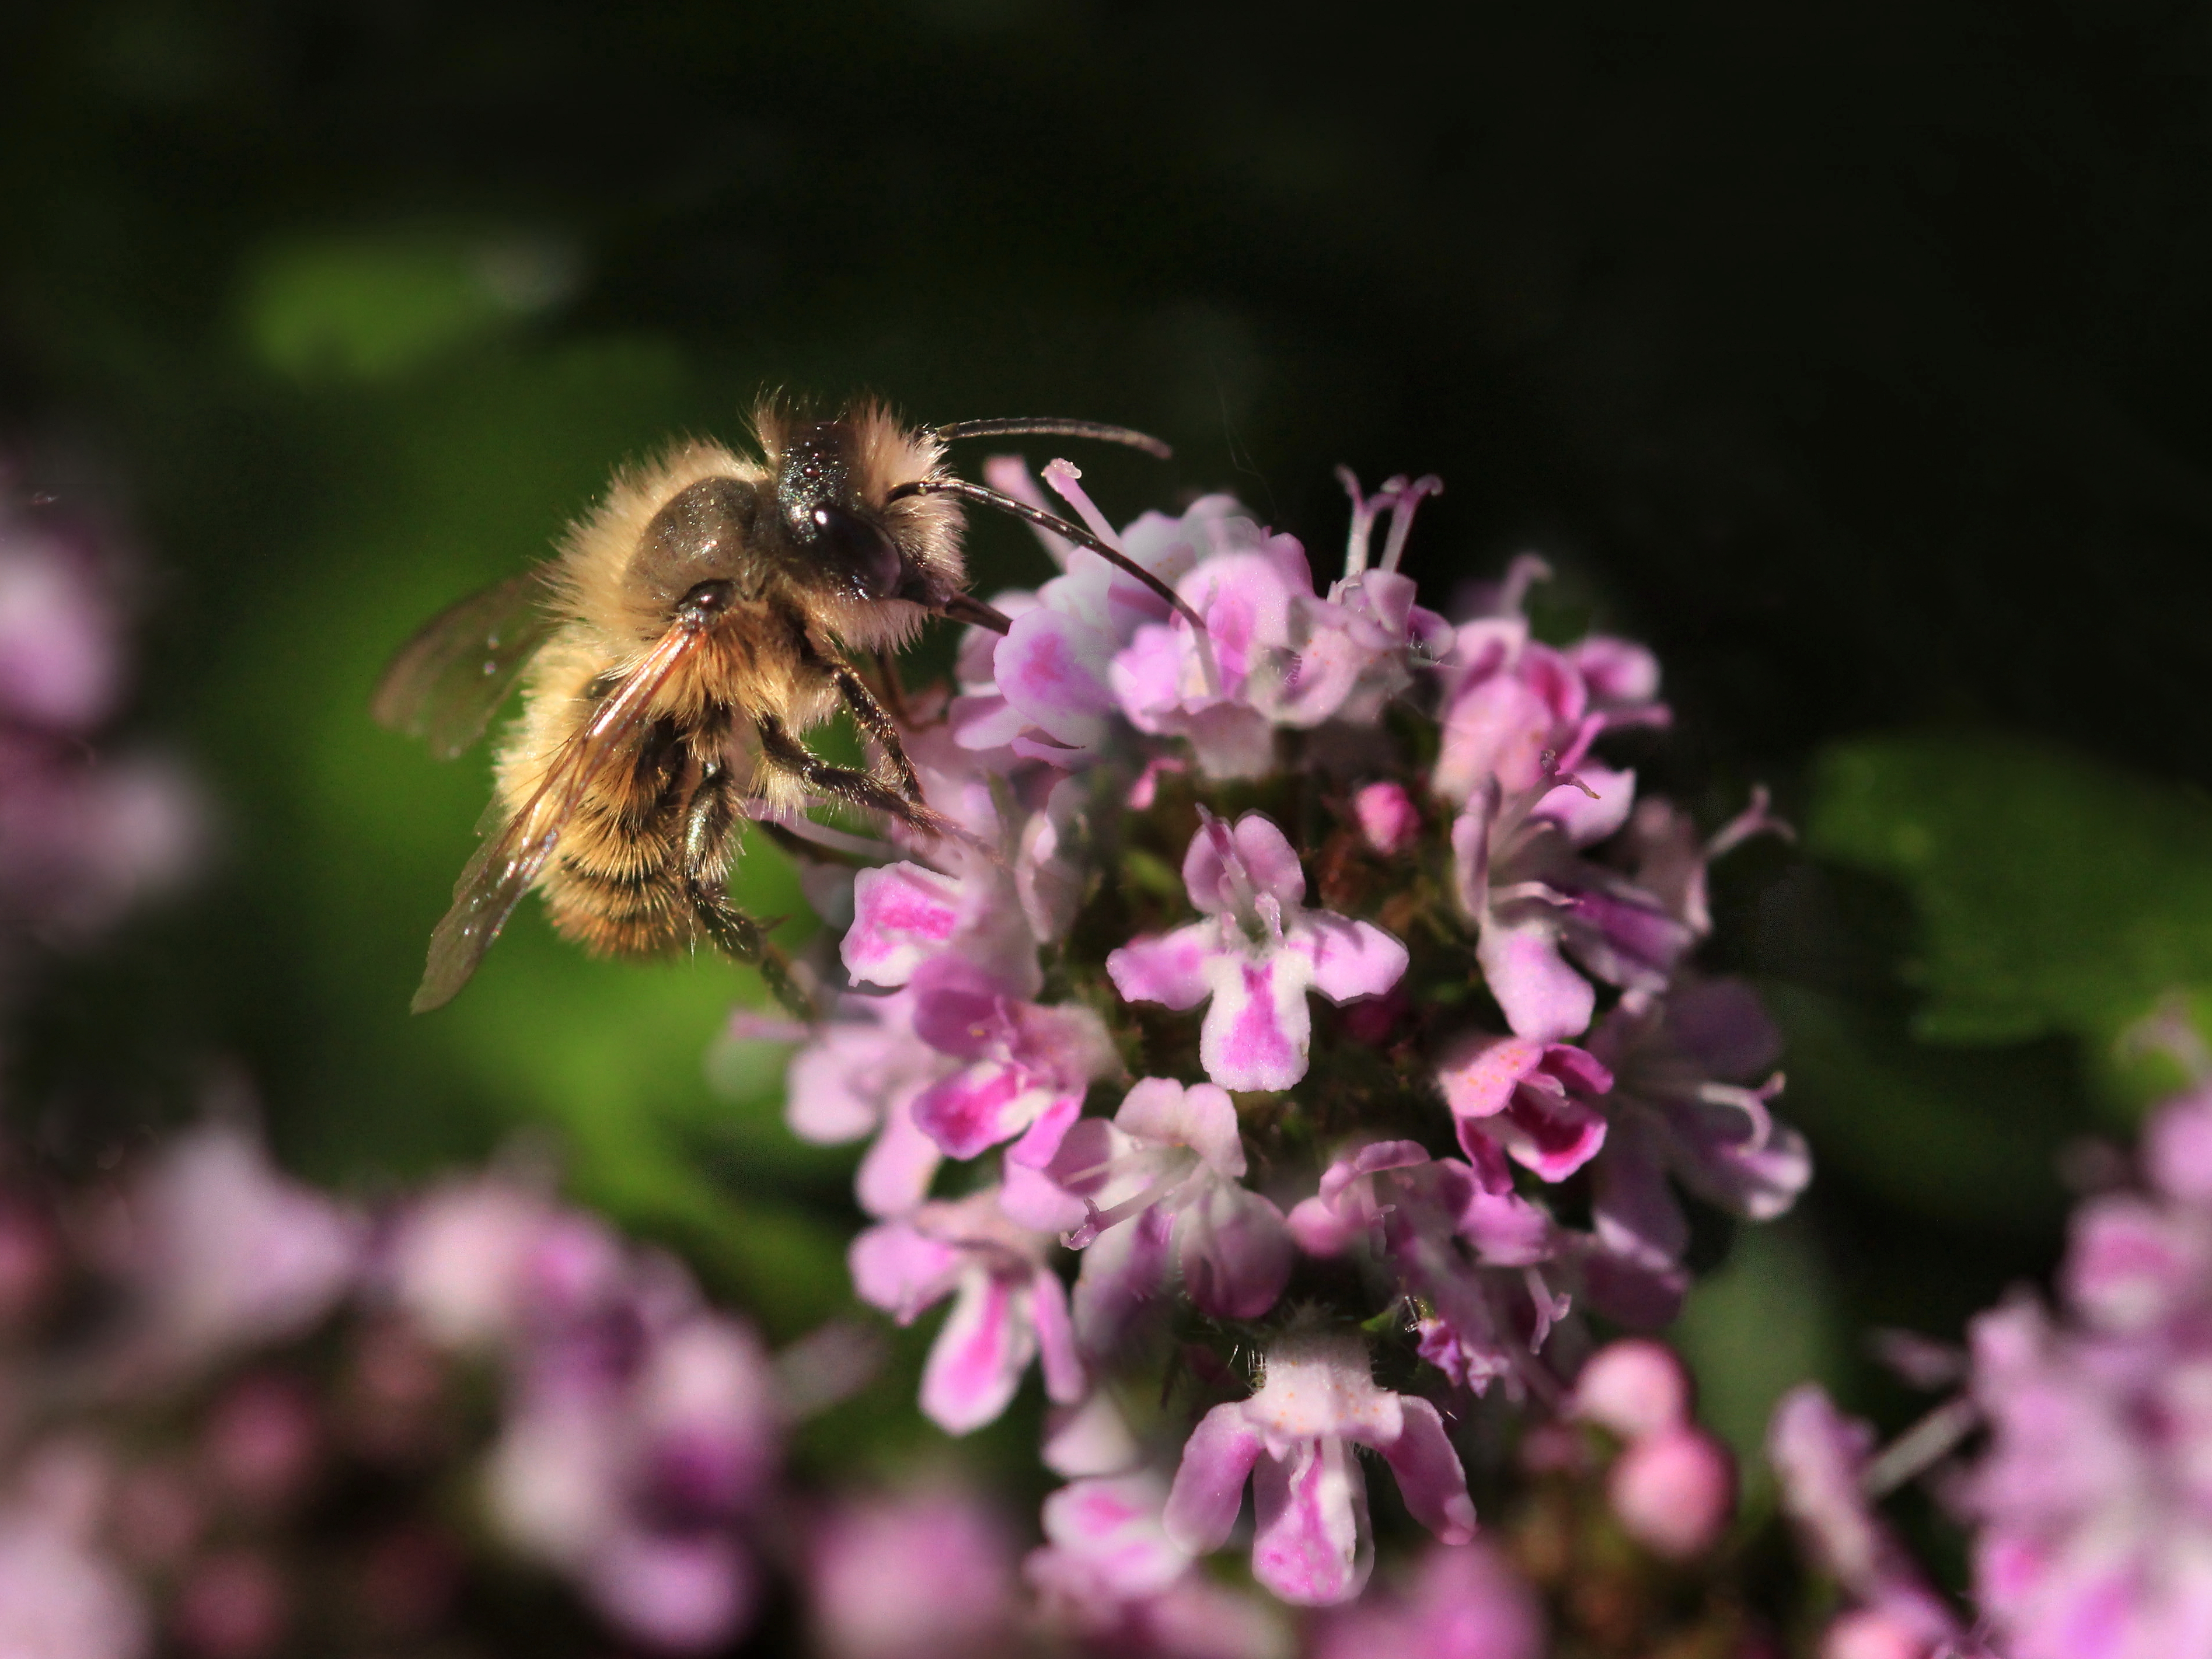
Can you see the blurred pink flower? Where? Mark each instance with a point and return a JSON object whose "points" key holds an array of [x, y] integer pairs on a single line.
{"points": [[928, 1575], [1460, 1602], [219, 1251]]}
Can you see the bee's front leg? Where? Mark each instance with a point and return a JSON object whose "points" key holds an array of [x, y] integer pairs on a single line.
{"points": [[707, 821], [901, 800]]}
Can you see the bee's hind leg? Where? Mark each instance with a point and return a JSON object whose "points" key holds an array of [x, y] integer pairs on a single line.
{"points": [[706, 826]]}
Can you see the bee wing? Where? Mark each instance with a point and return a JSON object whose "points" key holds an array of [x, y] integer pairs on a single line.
{"points": [[445, 682], [505, 864]]}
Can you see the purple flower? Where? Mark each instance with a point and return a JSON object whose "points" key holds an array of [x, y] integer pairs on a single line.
{"points": [[1459, 1603], [1255, 957], [1456, 1238], [1010, 1307], [1162, 1186], [1293, 1440], [1681, 1105], [1819, 1457], [1539, 1101]]}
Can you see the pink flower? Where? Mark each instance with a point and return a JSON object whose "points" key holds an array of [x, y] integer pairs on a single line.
{"points": [[1010, 1307], [860, 1076], [60, 658], [1276, 654], [1293, 1439], [1539, 1101], [1456, 1238], [1109, 1575], [1256, 956], [1026, 1066], [1162, 1186], [921, 1575], [1510, 704], [1520, 878], [1459, 1603]]}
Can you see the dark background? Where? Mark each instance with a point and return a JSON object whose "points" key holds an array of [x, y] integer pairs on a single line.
{"points": [[1853, 356]]}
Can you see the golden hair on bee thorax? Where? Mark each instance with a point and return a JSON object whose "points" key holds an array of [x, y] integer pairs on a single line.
{"points": [[689, 632]]}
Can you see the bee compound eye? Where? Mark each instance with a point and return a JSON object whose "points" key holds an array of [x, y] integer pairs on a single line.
{"points": [[709, 598], [859, 550]]}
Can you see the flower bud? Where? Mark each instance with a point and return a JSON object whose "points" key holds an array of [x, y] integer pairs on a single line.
{"points": [[1633, 1388], [1674, 1491]]}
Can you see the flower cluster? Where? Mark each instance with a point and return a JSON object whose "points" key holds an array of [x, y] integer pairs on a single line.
{"points": [[80, 837], [1309, 977], [2091, 1530], [231, 1394]]}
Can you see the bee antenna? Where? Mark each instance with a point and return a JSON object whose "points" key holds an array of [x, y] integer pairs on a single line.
{"points": [[984, 496], [1099, 431]]}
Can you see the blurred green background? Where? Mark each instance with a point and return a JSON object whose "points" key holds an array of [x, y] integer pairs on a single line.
{"points": [[1853, 356]]}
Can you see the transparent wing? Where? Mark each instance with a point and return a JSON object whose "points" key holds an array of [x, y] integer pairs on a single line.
{"points": [[505, 864], [446, 684]]}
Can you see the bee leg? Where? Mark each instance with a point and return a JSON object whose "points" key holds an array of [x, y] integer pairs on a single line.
{"points": [[873, 719], [706, 826], [848, 783]]}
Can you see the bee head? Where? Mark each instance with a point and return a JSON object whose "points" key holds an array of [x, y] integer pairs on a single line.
{"points": [[838, 538]]}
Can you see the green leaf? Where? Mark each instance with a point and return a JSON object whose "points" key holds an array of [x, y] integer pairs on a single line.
{"points": [[2056, 894]]}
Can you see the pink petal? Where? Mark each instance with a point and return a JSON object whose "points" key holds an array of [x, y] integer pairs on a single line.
{"points": [[1470, 847], [1541, 995], [1588, 817], [899, 1270], [1235, 1250], [1479, 1076], [1269, 860], [895, 1174], [1201, 1117], [978, 1358], [1257, 1028], [1351, 958], [978, 1107], [1616, 669], [1031, 1198], [1052, 667], [1318, 1228], [1209, 1483], [1065, 1381], [1166, 968], [1553, 1134], [901, 915], [984, 722], [1430, 1478], [1123, 1271], [1311, 1546]]}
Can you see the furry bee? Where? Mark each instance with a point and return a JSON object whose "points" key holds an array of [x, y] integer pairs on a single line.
{"points": [[673, 653]]}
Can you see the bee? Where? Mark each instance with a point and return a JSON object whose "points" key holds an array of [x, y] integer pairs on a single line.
{"points": [[674, 653]]}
